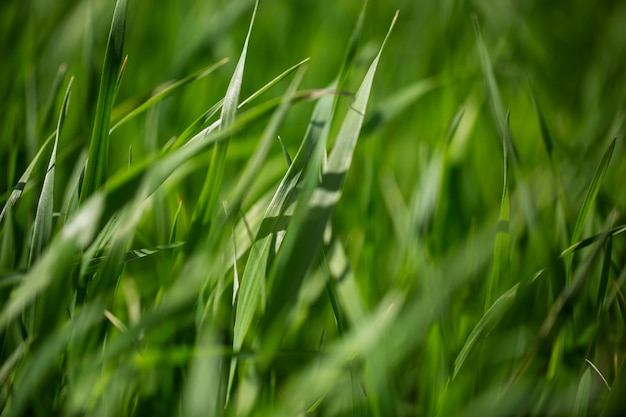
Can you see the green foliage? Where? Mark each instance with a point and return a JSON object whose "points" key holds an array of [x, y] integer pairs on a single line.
{"points": [[446, 240]]}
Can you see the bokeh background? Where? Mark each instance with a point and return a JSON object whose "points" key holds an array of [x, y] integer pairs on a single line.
{"points": [[416, 204]]}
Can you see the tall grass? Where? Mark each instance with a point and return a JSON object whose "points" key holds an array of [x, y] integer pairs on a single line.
{"points": [[328, 209]]}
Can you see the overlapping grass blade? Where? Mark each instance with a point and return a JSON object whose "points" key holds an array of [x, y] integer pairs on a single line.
{"points": [[42, 232], [56, 261], [590, 197], [196, 126], [312, 211], [252, 289], [25, 178], [486, 323], [255, 163], [97, 162], [212, 186], [36, 371], [166, 90]]}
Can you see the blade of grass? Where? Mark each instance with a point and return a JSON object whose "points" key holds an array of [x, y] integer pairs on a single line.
{"points": [[97, 162], [23, 181], [312, 212], [614, 404], [590, 198], [42, 232], [201, 220], [166, 90], [252, 288], [56, 261]]}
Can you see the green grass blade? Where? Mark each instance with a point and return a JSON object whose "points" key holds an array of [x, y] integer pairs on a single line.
{"points": [[255, 163], [312, 213], [252, 288], [592, 239], [42, 361], [604, 275], [166, 90], [202, 120], [495, 99], [614, 404], [592, 193], [486, 323], [48, 112], [23, 181], [501, 253], [97, 162], [272, 83], [56, 261], [42, 232], [213, 182]]}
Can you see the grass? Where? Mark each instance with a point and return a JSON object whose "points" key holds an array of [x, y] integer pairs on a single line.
{"points": [[264, 208]]}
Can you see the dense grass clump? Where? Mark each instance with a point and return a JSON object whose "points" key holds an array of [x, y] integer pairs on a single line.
{"points": [[312, 208]]}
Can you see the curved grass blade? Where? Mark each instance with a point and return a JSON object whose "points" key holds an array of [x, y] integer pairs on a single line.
{"points": [[590, 197], [485, 325], [23, 181], [42, 232], [97, 162], [590, 240], [167, 90]]}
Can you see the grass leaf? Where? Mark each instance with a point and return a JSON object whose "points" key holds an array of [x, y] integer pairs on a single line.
{"points": [[42, 233], [166, 90], [97, 162]]}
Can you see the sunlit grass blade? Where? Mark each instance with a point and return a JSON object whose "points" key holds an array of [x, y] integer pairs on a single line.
{"points": [[213, 183], [255, 163], [164, 91], [196, 126], [56, 261], [42, 233], [252, 289], [97, 162], [312, 211]]}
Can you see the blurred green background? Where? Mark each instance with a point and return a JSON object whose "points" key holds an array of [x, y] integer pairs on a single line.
{"points": [[419, 210]]}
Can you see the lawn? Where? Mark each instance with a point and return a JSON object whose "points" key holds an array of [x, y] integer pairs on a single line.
{"points": [[320, 208]]}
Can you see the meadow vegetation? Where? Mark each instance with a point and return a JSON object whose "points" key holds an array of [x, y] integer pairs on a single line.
{"points": [[321, 208]]}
